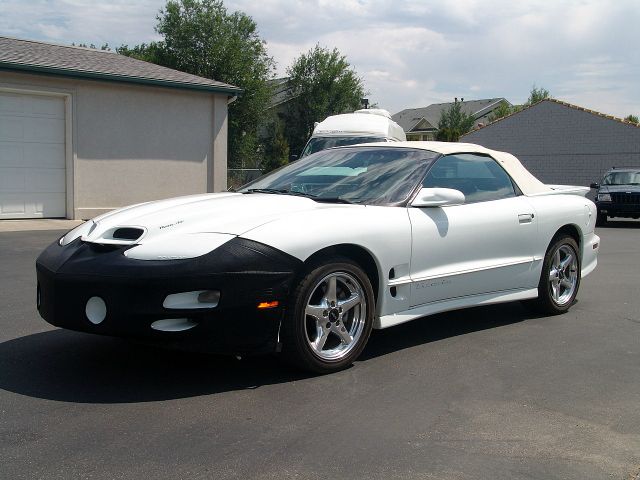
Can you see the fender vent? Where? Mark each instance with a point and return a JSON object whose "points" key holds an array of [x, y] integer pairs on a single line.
{"points": [[127, 233]]}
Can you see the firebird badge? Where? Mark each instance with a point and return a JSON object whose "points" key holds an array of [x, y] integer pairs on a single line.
{"points": [[171, 224]]}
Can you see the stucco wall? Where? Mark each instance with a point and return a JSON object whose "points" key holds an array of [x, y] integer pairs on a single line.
{"points": [[133, 144], [563, 145]]}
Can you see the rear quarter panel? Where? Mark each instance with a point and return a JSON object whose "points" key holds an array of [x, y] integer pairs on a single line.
{"points": [[554, 212]]}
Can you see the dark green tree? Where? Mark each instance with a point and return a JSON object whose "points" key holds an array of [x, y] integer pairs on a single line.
{"points": [[453, 123], [632, 119], [536, 95], [322, 83], [276, 149], [105, 46], [500, 111], [201, 37]]}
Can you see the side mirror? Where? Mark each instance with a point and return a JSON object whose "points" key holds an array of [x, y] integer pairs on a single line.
{"points": [[438, 197], [293, 158], [595, 185]]}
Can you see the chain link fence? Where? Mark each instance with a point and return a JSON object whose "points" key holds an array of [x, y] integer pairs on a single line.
{"points": [[236, 177]]}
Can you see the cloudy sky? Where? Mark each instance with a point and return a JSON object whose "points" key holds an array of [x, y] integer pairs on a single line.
{"points": [[409, 53]]}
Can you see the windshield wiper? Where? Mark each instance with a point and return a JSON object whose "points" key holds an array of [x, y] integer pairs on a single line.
{"points": [[299, 194], [266, 190], [333, 200], [283, 191]]}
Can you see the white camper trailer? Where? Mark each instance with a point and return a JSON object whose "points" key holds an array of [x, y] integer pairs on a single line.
{"points": [[361, 126]]}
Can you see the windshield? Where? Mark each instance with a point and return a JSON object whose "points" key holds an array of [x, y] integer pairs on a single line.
{"points": [[315, 144], [366, 175], [622, 178]]}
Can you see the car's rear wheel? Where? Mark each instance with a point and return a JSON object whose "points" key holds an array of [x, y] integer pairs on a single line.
{"points": [[560, 278], [330, 317]]}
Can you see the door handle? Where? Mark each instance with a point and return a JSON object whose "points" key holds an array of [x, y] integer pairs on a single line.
{"points": [[525, 218]]}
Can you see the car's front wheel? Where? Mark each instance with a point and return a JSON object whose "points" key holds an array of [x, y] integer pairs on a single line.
{"points": [[601, 219], [330, 317]]}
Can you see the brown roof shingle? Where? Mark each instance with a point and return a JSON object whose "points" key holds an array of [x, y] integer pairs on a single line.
{"points": [[40, 57]]}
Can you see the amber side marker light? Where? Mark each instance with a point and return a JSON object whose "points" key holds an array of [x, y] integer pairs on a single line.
{"points": [[265, 305]]}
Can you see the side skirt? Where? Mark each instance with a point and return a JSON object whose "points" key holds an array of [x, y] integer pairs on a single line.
{"points": [[454, 304]]}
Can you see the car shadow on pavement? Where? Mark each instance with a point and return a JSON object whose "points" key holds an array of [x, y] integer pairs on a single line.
{"points": [[82, 368], [442, 326]]}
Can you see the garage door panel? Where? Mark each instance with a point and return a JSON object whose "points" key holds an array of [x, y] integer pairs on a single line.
{"points": [[31, 129], [33, 180], [44, 130], [20, 154], [44, 180], [41, 205], [29, 105], [13, 180], [11, 103], [32, 156], [11, 128], [41, 105]]}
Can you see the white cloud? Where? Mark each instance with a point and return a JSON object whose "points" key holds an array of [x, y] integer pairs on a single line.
{"points": [[409, 53]]}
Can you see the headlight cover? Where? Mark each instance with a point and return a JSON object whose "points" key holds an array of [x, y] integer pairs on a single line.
{"points": [[178, 247], [83, 229], [604, 197]]}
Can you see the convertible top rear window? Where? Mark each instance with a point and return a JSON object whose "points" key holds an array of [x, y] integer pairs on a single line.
{"points": [[365, 175], [318, 144]]}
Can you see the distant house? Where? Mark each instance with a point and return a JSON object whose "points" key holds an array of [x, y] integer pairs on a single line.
{"points": [[281, 95], [84, 131], [562, 143], [422, 123], [281, 92]]}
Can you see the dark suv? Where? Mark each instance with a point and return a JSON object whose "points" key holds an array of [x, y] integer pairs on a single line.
{"points": [[618, 194]]}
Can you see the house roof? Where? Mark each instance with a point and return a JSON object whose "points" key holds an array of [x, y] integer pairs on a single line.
{"points": [[78, 62], [559, 102], [282, 91], [409, 118]]}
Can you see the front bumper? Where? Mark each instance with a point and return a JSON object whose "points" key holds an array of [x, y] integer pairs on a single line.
{"points": [[615, 209], [244, 272]]}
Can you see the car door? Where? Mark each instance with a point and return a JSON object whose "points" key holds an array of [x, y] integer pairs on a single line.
{"points": [[484, 245]]}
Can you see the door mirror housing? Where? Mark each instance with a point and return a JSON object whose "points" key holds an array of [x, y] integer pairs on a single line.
{"points": [[438, 197], [595, 185]]}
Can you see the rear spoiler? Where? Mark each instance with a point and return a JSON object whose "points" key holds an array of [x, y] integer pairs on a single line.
{"points": [[566, 190]]}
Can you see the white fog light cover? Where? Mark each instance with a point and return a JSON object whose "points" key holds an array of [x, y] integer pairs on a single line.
{"points": [[96, 310], [192, 300], [173, 325]]}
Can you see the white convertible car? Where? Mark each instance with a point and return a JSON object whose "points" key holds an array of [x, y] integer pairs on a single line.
{"points": [[309, 258]]}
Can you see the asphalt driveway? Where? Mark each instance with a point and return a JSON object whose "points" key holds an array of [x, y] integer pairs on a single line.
{"points": [[487, 393]]}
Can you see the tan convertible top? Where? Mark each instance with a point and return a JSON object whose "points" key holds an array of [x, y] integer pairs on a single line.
{"points": [[529, 184]]}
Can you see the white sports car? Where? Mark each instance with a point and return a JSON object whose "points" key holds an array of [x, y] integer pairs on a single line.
{"points": [[309, 258]]}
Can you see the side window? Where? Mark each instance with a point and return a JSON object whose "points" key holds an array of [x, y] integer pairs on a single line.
{"points": [[479, 177]]}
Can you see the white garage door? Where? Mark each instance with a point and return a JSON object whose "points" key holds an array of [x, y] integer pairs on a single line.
{"points": [[32, 156]]}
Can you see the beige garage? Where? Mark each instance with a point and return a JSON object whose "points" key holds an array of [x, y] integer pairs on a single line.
{"points": [[84, 131]]}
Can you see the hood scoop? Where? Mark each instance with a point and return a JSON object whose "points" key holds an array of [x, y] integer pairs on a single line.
{"points": [[124, 235]]}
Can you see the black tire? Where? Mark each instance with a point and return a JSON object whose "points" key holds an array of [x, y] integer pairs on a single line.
{"points": [[601, 219], [546, 301], [299, 330]]}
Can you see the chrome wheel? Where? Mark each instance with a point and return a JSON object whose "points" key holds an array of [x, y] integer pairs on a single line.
{"points": [[563, 275], [335, 316]]}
